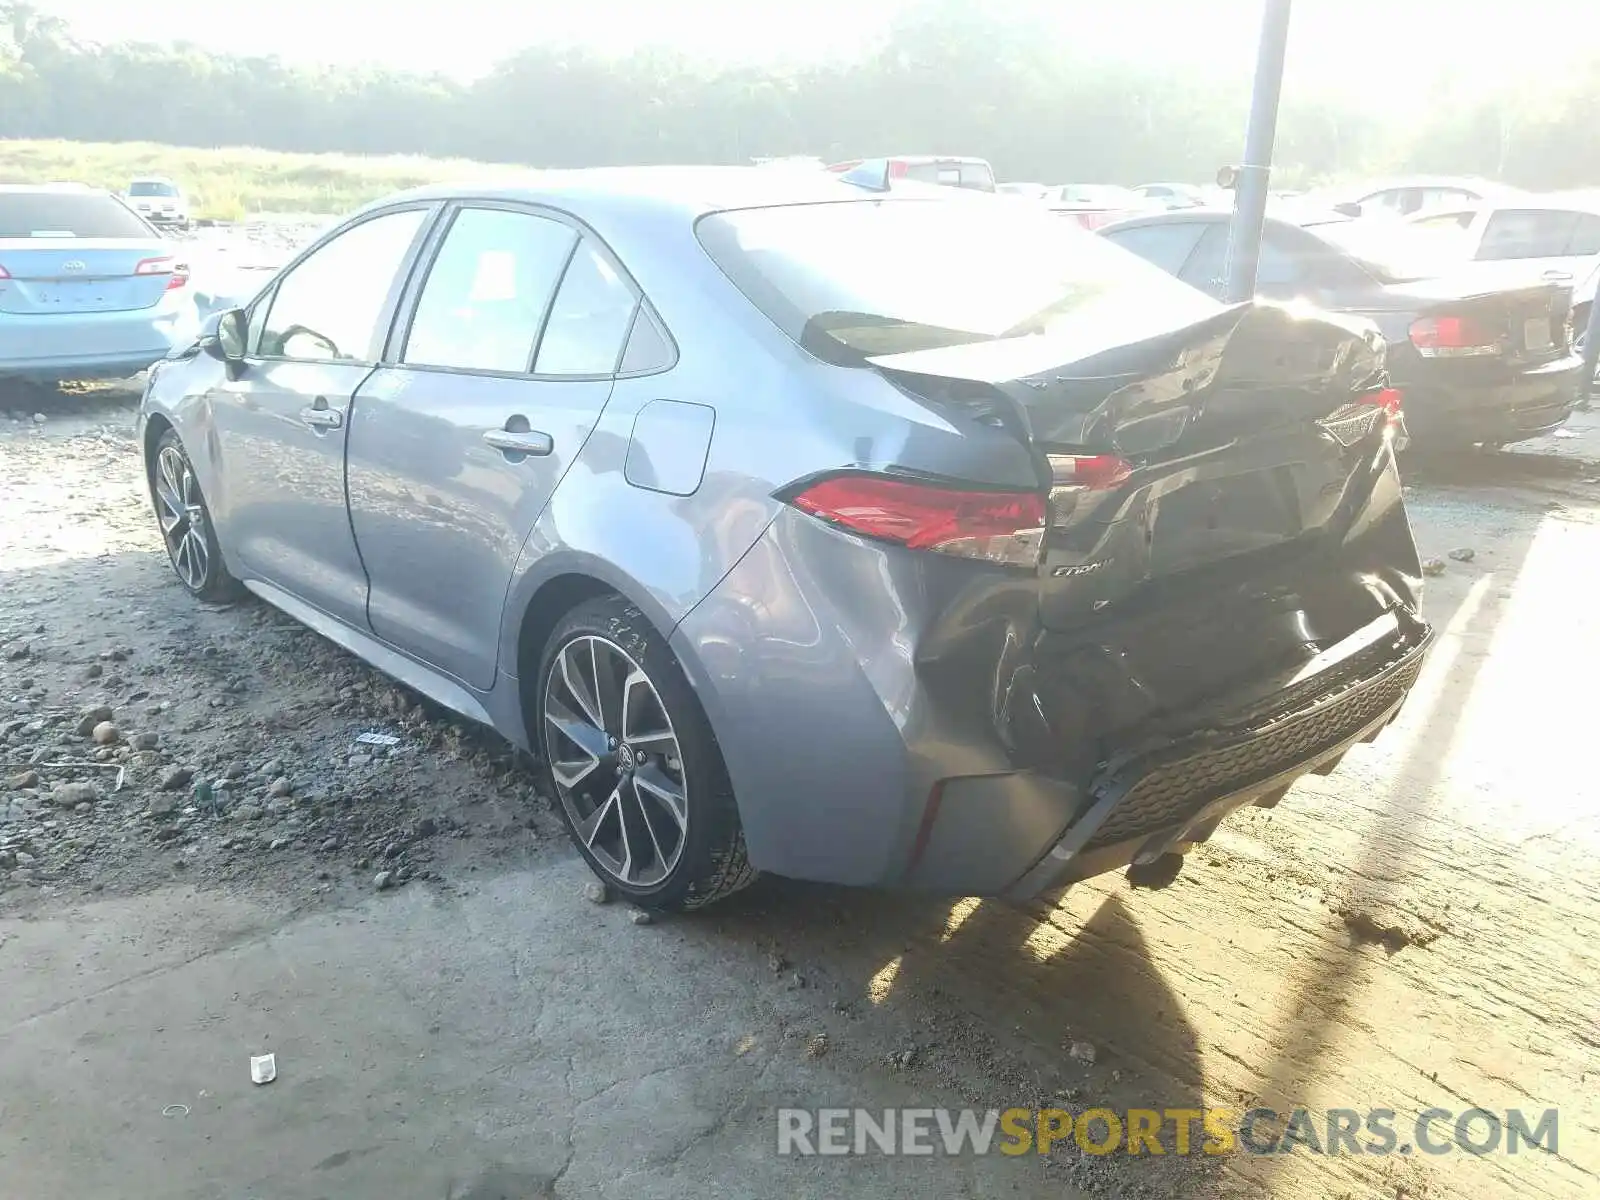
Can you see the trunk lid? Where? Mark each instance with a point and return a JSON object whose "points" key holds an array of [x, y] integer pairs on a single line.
{"points": [[1528, 314], [1236, 468], [68, 275]]}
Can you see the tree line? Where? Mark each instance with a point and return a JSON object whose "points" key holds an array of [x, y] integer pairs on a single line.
{"points": [[946, 79]]}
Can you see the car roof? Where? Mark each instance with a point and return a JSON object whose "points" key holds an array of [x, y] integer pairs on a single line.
{"points": [[1287, 217], [689, 191], [152, 179], [1487, 186]]}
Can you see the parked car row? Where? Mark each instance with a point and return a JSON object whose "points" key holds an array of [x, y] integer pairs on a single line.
{"points": [[88, 288], [1482, 356]]}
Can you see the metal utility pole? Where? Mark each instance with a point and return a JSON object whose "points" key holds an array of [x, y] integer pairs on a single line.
{"points": [[1250, 198]]}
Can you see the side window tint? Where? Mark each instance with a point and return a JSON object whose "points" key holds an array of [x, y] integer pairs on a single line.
{"points": [[487, 291], [1167, 246], [1586, 237], [1206, 265], [648, 348], [1281, 264], [589, 319], [976, 176], [1527, 233], [330, 305]]}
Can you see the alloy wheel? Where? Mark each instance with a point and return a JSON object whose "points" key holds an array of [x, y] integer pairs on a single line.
{"points": [[616, 762], [182, 517]]}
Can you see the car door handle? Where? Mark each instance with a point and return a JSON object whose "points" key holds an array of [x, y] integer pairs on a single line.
{"points": [[1558, 274], [319, 416], [529, 441]]}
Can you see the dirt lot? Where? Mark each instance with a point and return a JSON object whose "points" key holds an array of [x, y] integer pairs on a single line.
{"points": [[223, 869]]}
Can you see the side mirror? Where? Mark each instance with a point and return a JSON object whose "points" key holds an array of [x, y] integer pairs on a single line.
{"points": [[224, 336], [1347, 209]]}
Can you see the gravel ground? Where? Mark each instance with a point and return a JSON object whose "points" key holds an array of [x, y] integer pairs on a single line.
{"points": [[1422, 927]]}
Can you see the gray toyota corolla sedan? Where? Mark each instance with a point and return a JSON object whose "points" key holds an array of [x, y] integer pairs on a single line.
{"points": [[873, 537]]}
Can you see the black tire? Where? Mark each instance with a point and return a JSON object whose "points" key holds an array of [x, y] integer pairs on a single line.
{"points": [[190, 537], [710, 862]]}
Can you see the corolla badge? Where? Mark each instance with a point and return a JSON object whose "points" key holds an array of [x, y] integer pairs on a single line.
{"points": [[74, 264], [1080, 569]]}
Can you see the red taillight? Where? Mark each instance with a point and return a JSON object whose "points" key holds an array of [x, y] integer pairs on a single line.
{"points": [[1006, 527], [1088, 472], [4, 274], [165, 265], [1370, 411], [1388, 399], [897, 170], [1454, 337]]}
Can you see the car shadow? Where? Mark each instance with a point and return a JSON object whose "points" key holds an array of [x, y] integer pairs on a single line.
{"points": [[1009, 1006]]}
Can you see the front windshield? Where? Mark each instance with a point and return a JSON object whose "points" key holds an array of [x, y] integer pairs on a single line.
{"points": [[849, 280], [1396, 252], [146, 187]]}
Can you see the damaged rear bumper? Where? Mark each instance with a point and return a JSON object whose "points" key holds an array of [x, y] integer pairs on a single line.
{"points": [[1150, 803]]}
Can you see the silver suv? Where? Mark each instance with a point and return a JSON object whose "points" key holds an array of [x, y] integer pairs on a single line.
{"points": [[159, 201]]}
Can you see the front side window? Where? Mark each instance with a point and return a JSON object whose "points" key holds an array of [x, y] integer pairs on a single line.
{"points": [[487, 291], [870, 277], [330, 305]]}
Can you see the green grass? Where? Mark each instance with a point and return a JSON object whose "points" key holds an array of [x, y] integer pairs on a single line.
{"points": [[231, 183]]}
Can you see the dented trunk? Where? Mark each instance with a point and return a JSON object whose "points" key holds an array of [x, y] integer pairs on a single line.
{"points": [[1256, 538]]}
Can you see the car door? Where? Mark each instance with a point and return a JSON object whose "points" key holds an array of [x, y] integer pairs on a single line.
{"points": [[281, 417], [489, 392], [1558, 243]]}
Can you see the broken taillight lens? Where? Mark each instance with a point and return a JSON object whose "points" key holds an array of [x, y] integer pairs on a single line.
{"points": [[1349, 423], [994, 526]]}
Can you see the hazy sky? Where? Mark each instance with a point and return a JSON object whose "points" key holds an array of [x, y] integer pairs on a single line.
{"points": [[1362, 46]]}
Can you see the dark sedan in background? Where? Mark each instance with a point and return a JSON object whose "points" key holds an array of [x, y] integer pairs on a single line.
{"points": [[1484, 353]]}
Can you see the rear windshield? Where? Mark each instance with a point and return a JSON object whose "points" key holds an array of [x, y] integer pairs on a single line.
{"points": [[145, 187], [67, 214], [1395, 252], [851, 280]]}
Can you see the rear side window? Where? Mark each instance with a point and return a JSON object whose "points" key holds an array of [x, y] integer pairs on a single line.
{"points": [[1168, 246], [977, 176], [487, 291], [590, 318], [1439, 197], [1206, 265], [67, 214], [1445, 222], [1528, 233]]}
